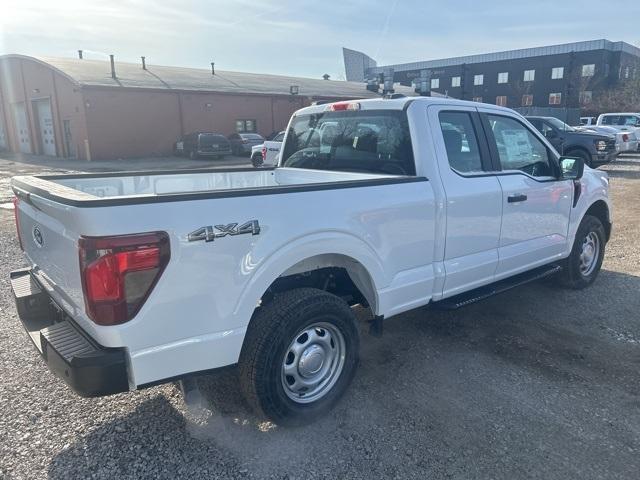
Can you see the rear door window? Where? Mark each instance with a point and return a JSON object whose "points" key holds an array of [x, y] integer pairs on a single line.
{"points": [[369, 141], [461, 141]]}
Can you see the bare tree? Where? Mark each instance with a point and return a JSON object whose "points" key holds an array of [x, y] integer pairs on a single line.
{"points": [[624, 98]]}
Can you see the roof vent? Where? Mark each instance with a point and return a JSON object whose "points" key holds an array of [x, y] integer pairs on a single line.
{"points": [[213, 68], [113, 67], [144, 63], [80, 54]]}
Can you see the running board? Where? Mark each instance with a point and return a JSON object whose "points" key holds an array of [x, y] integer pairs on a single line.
{"points": [[487, 291]]}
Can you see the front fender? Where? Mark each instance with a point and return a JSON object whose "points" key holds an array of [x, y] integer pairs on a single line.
{"points": [[594, 187]]}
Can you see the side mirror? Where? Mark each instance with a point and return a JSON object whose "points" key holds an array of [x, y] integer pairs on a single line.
{"points": [[551, 134], [571, 168]]}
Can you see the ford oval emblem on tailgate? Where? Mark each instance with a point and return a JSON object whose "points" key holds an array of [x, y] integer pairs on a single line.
{"points": [[37, 236]]}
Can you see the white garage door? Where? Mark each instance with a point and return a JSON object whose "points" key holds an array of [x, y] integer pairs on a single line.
{"points": [[45, 122], [20, 117]]}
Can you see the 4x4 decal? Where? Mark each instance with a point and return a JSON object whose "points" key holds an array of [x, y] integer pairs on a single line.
{"points": [[210, 233]]}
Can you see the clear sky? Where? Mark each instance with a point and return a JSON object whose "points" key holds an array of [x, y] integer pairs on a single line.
{"points": [[303, 37]]}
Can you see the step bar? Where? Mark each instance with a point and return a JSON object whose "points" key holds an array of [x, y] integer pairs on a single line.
{"points": [[473, 296]]}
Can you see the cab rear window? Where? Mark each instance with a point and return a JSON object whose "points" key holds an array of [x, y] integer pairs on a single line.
{"points": [[369, 141]]}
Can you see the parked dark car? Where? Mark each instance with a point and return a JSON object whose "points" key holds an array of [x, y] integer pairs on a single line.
{"points": [[594, 148], [203, 144], [241, 143]]}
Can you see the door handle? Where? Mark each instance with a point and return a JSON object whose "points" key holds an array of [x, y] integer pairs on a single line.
{"points": [[518, 197]]}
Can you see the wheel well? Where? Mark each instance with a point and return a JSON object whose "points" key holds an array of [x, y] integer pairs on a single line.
{"points": [[600, 210], [578, 149], [337, 274]]}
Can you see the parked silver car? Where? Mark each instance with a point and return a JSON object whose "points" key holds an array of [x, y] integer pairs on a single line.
{"points": [[241, 143]]}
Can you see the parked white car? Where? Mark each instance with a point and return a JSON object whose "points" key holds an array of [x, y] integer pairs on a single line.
{"points": [[142, 278], [266, 154], [625, 122], [626, 142]]}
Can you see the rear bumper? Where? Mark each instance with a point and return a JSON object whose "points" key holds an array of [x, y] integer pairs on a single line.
{"points": [[91, 370]]}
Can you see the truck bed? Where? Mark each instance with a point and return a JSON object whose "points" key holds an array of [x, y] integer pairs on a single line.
{"points": [[105, 189]]}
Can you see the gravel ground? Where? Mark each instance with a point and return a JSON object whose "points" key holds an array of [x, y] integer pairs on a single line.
{"points": [[536, 383]]}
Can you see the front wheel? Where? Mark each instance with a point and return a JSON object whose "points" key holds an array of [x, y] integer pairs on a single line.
{"points": [[299, 356], [583, 265]]}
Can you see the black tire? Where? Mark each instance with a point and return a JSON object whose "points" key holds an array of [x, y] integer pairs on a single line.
{"points": [[571, 275], [256, 160], [586, 158], [273, 330]]}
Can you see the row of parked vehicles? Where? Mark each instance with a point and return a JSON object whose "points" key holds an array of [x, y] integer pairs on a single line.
{"points": [[263, 152], [595, 141]]}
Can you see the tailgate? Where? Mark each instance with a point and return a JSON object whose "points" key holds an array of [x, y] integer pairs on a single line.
{"points": [[51, 247]]}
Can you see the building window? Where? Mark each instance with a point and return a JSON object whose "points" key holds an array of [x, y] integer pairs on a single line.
{"points": [[529, 75], [588, 70], [435, 83], [626, 72], [477, 99], [501, 100], [586, 97], [557, 73], [455, 81], [555, 98], [503, 77], [246, 126], [478, 79], [527, 100]]}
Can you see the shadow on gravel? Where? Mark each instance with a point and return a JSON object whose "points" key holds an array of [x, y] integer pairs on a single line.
{"points": [[151, 442], [438, 392]]}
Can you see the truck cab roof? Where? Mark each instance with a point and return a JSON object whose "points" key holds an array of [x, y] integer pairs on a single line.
{"points": [[396, 104]]}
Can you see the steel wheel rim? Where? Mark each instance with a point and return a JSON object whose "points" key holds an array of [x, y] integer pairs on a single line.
{"points": [[589, 254], [313, 362]]}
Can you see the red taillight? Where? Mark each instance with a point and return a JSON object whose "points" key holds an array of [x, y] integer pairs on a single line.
{"points": [[625, 137], [264, 153], [119, 273], [16, 203]]}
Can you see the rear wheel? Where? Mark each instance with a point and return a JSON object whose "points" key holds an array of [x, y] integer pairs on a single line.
{"points": [[299, 356], [584, 263], [256, 160]]}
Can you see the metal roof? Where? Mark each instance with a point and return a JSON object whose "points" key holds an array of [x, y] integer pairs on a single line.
{"points": [[514, 54], [131, 75]]}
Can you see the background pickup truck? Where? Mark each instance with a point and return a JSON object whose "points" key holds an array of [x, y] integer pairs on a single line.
{"points": [[593, 148], [624, 122], [393, 204], [266, 154]]}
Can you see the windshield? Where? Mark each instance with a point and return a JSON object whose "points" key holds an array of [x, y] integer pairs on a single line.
{"points": [[374, 141], [559, 124]]}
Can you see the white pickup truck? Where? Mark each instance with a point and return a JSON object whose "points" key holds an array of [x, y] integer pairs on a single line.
{"points": [[267, 154], [136, 279]]}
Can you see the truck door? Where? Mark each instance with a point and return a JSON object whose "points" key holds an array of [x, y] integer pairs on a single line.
{"points": [[473, 198], [535, 204]]}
